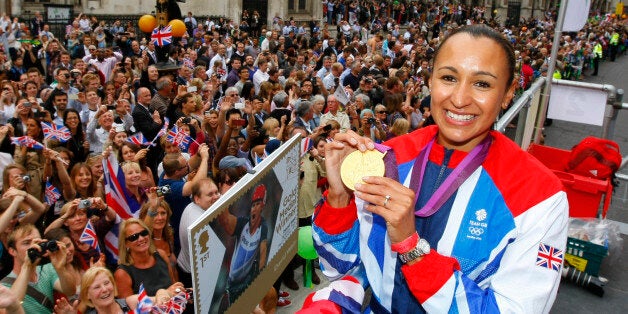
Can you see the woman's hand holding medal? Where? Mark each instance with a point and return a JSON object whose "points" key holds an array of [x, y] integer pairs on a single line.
{"points": [[386, 197]]}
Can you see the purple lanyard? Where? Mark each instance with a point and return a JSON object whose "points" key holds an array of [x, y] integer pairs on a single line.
{"points": [[454, 180]]}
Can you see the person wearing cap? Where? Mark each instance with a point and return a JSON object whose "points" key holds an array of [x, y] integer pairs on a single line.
{"points": [[250, 252], [204, 194], [235, 162]]}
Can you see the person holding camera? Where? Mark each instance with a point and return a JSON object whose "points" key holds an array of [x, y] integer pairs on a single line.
{"points": [[185, 112], [371, 127], [23, 112], [176, 168], [32, 159], [73, 218], [31, 282]]}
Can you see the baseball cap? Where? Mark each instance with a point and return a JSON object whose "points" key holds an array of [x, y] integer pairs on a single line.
{"points": [[233, 162]]}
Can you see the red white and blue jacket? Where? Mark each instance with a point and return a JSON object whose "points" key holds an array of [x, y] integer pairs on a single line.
{"points": [[497, 243]]}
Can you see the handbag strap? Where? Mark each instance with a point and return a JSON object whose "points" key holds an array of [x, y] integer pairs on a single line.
{"points": [[33, 293]]}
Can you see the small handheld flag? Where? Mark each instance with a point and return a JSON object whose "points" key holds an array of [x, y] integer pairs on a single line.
{"points": [[89, 236], [138, 139], [56, 132], [51, 194], [179, 137], [26, 141], [144, 304]]}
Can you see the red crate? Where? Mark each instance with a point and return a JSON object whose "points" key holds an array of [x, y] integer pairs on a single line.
{"points": [[583, 193]]}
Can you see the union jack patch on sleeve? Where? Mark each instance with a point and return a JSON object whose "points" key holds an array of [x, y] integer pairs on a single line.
{"points": [[549, 257]]}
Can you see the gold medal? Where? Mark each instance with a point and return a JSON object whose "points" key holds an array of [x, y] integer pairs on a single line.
{"points": [[358, 165]]}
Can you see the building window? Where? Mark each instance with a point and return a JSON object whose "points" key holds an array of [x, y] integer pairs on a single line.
{"points": [[299, 6]]}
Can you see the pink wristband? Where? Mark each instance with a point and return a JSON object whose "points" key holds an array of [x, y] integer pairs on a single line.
{"points": [[406, 245]]}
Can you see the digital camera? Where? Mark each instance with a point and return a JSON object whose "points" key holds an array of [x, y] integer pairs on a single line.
{"points": [[163, 190], [85, 204]]}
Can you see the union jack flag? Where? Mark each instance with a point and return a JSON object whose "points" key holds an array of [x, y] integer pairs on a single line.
{"points": [[89, 236], [162, 37], [549, 257], [138, 139], [306, 144], [188, 63], [56, 132], [144, 305], [164, 130], [51, 194], [179, 138], [26, 141], [119, 199], [176, 305]]}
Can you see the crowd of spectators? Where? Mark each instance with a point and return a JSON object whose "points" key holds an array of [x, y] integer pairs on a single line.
{"points": [[239, 90]]}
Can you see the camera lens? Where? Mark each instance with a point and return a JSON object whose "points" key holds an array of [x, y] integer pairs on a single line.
{"points": [[33, 254]]}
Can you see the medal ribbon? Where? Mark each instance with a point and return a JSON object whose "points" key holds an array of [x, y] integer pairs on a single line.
{"points": [[454, 180]]}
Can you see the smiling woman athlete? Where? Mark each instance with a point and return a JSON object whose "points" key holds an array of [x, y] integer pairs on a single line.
{"points": [[464, 220]]}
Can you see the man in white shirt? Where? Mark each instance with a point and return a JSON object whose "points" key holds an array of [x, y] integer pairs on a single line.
{"points": [[102, 62], [261, 75], [332, 80], [266, 42], [204, 195], [326, 68], [220, 56], [190, 19]]}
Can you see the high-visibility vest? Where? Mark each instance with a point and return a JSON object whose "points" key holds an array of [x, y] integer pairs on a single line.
{"points": [[614, 39], [597, 50]]}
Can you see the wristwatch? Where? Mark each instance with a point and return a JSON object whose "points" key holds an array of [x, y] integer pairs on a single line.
{"points": [[422, 247]]}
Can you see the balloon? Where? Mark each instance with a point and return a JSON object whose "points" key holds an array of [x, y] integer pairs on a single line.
{"points": [[613, 15], [623, 16], [178, 28], [147, 23]]}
